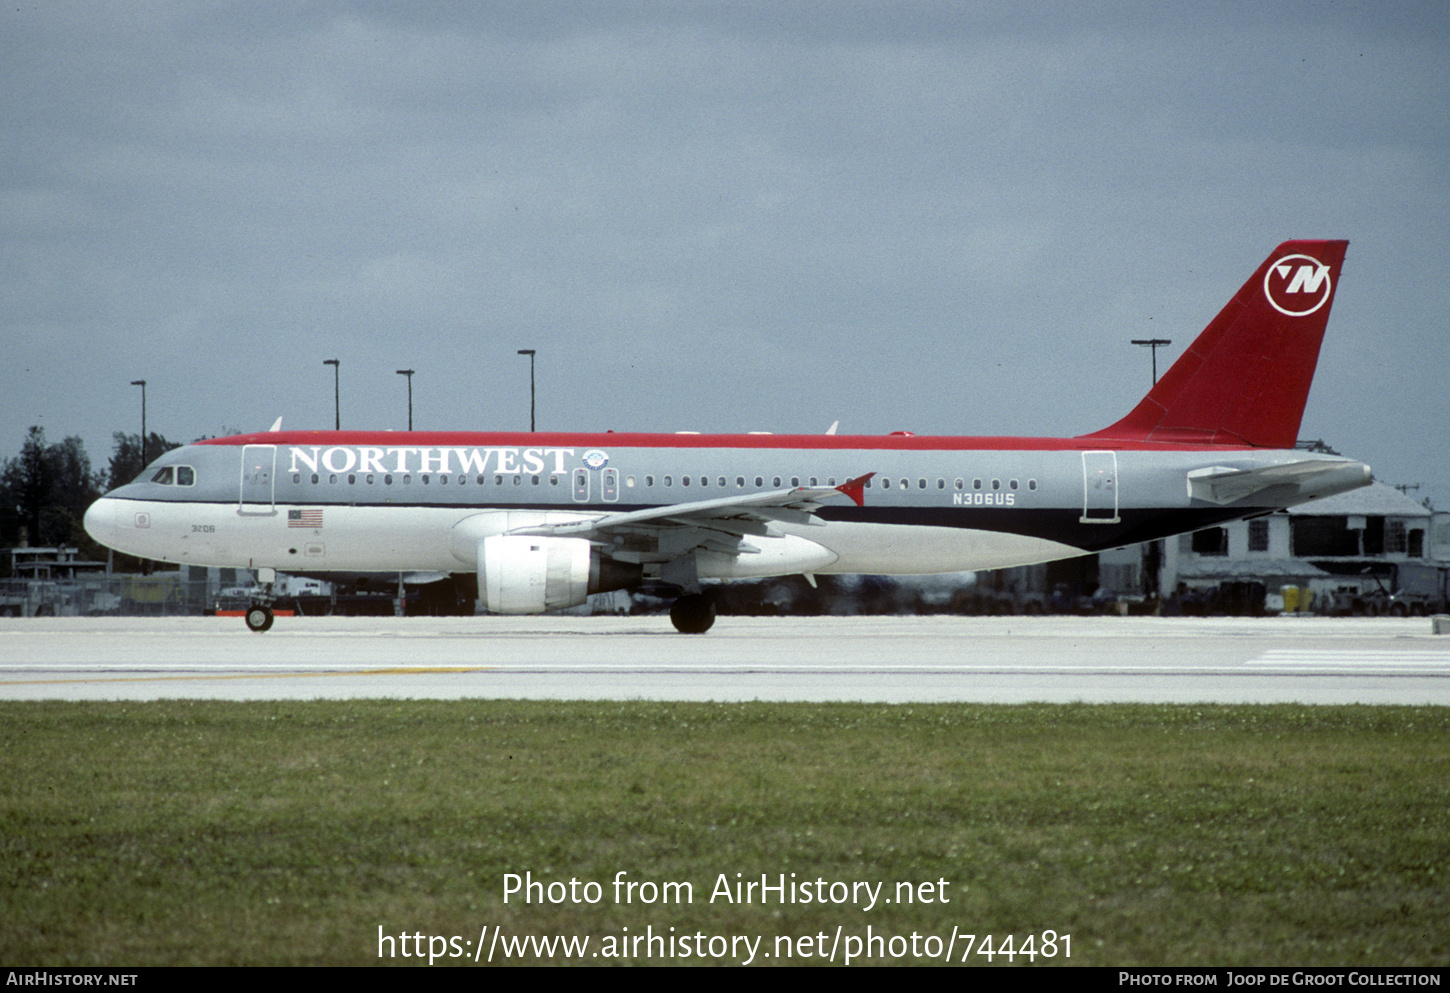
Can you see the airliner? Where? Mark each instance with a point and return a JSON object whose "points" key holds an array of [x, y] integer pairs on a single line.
{"points": [[546, 519]]}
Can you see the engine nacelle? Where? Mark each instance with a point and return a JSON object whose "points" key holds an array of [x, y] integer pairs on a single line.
{"points": [[523, 574]]}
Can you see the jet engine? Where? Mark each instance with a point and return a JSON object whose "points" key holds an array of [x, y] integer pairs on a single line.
{"points": [[523, 574]]}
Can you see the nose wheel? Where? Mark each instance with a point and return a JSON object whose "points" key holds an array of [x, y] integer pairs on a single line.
{"points": [[259, 617], [692, 614]]}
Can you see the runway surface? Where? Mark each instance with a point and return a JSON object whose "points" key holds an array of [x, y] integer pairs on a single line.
{"points": [[887, 659]]}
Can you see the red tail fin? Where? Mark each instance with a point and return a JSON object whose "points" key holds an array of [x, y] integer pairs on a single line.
{"points": [[1245, 378]]}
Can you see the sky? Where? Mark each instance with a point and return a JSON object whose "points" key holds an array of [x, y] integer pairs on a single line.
{"points": [[946, 218]]}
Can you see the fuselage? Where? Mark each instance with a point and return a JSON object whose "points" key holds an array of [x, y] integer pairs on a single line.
{"points": [[312, 501]]}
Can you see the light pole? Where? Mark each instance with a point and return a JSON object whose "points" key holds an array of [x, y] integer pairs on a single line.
{"points": [[409, 374], [1152, 560], [142, 383], [1154, 344], [336, 393], [530, 353]]}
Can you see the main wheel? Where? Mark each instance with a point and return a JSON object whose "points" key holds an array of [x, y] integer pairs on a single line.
{"points": [[259, 617], [692, 614]]}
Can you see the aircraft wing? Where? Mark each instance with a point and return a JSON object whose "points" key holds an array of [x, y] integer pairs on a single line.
{"points": [[669, 534], [1224, 485], [757, 511]]}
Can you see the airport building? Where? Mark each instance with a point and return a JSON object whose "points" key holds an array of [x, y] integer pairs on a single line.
{"points": [[1372, 550]]}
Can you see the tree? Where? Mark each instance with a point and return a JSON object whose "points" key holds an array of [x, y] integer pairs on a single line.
{"points": [[51, 486], [126, 460], [27, 481]]}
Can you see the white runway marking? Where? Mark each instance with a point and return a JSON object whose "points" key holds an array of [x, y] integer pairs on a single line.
{"points": [[1296, 658]]}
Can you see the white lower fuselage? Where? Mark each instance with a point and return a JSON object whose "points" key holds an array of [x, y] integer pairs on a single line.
{"points": [[428, 539]]}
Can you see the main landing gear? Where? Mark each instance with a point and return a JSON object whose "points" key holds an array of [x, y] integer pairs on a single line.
{"points": [[692, 614]]}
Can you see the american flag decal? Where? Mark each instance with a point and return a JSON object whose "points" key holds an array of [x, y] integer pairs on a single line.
{"points": [[311, 518]]}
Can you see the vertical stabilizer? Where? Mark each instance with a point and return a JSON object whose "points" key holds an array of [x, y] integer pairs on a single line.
{"points": [[1245, 379]]}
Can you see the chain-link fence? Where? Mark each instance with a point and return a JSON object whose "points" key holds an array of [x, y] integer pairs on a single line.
{"points": [[97, 596]]}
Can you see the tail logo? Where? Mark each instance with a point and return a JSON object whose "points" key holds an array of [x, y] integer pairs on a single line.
{"points": [[1297, 285]]}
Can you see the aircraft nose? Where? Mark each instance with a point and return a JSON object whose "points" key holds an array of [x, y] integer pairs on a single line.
{"points": [[99, 521]]}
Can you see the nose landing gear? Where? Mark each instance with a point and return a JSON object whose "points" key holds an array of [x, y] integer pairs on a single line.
{"points": [[259, 614], [259, 617]]}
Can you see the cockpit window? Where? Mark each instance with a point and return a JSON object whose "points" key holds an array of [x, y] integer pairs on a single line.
{"points": [[175, 475]]}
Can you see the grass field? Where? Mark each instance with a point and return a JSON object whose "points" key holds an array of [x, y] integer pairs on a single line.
{"points": [[288, 833]]}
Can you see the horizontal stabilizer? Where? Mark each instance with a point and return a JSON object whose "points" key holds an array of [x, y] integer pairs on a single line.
{"points": [[1293, 482]]}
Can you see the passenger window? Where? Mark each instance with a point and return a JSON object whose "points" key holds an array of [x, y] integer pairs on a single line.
{"points": [[1013, 484], [976, 484], [921, 483], [628, 481], [960, 484], [1032, 484], [759, 481], [996, 484], [314, 479], [740, 482]]}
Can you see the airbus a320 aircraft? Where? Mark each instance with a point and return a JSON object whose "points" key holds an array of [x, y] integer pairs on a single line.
{"points": [[544, 520]]}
